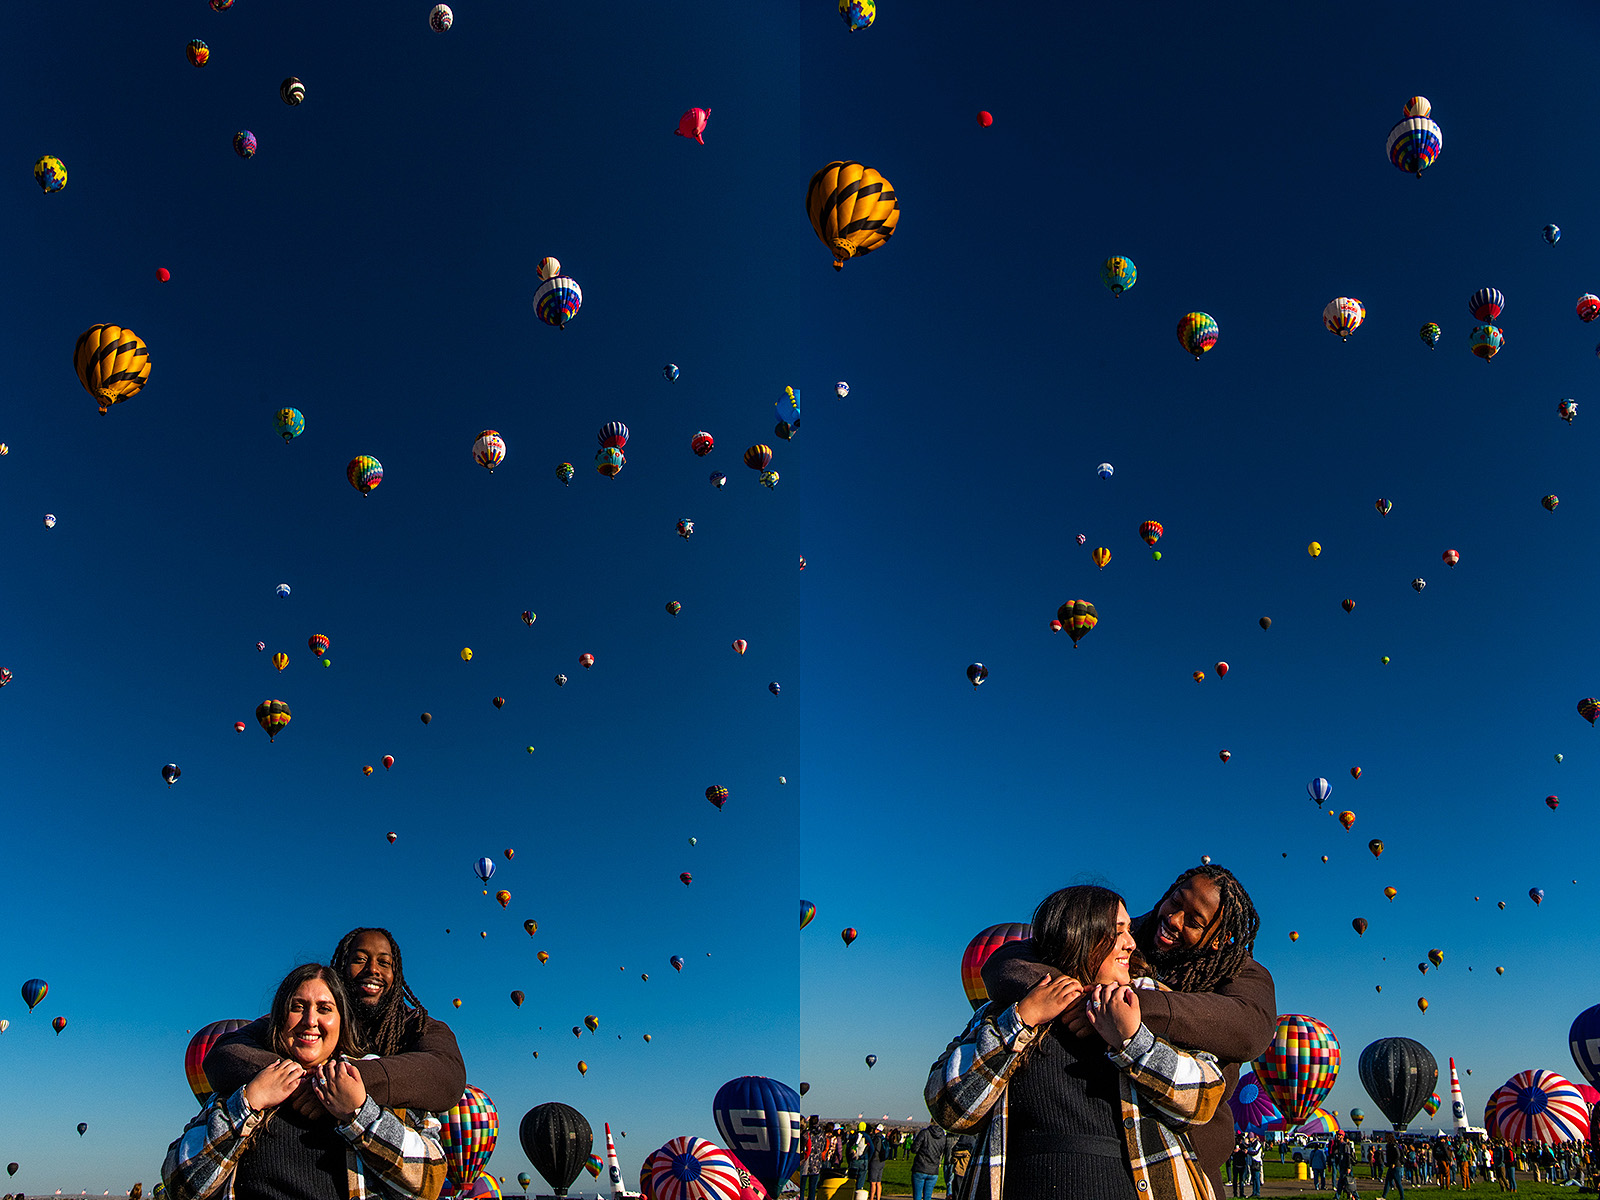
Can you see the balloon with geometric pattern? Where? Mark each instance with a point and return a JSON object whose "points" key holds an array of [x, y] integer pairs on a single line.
{"points": [[468, 1136], [1197, 333], [364, 473], [50, 173], [1300, 1066]]}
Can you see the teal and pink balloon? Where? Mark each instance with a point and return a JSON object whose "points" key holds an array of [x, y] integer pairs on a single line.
{"points": [[609, 461], [1414, 143], [34, 991], [759, 1119], [290, 423], [808, 913], [1118, 274], [1487, 341]]}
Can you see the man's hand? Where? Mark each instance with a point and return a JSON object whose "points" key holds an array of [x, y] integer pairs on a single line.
{"points": [[273, 1085], [1048, 999], [305, 1102], [340, 1088], [1113, 1010]]}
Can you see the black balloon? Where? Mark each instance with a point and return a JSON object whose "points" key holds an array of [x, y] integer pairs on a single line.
{"points": [[558, 1141], [1399, 1074], [804, 1088]]}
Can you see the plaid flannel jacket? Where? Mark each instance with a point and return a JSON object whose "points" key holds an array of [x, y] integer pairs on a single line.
{"points": [[1164, 1090], [392, 1154]]}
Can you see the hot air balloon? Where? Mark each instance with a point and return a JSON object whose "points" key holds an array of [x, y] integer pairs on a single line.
{"points": [[391, 836], [1536, 895], [1376, 846], [292, 92], [1105, 471], [693, 125], [1151, 532], [691, 1168], [1294, 935], [1224, 755], [1552, 234], [593, 1023], [1414, 143], [1451, 558], [1487, 341], [586, 661], [440, 19], [774, 688], [1101, 557], [808, 913], [1430, 333], [11, 1168], [1399, 1074], [1588, 307], [1389, 894], [1550, 503], [489, 450], [759, 1119], [1343, 316], [543, 956], [976, 674], [1432, 1104], [238, 726], [702, 443], [524, 1179], [112, 363], [1552, 803], [757, 457], [1265, 622], [718, 480], [198, 53], [468, 1136], [319, 643], [853, 209], [195, 1056], [244, 144], [849, 935], [1197, 333], [1118, 274], [272, 716], [1319, 789], [1540, 1106], [280, 660], [717, 796], [364, 473], [674, 608], [170, 773], [503, 897], [558, 1141], [872, 1060], [1078, 617], [388, 759], [83, 1128], [58, 1024], [1360, 926], [1418, 584], [290, 423], [1486, 304], [977, 953], [558, 298], [1347, 604], [841, 389], [483, 869], [50, 173], [1300, 1066], [1221, 669], [1357, 1116], [858, 14], [686, 879], [677, 961], [686, 528], [1199, 676], [1567, 409]]}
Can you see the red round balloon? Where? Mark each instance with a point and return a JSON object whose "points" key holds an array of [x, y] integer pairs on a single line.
{"points": [[163, 274], [978, 951], [985, 119]]}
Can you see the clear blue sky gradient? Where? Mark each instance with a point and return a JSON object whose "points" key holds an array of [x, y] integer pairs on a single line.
{"points": [[373, 265]]}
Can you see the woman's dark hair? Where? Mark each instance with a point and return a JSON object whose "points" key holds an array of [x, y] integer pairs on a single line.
{"points": [[1075, 928], [349, 1037], [1227, 945], [387, 1031]]}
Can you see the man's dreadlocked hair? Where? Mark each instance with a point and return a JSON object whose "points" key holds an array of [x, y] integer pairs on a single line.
{"points": [[385, 1032], [1233, 931]]}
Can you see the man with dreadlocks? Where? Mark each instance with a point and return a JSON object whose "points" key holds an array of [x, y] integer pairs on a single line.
{"points": [[418, 1065], [1200, 940]]}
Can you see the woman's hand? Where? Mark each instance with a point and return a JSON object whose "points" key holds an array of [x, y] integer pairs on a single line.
{"points": [[273, 1085], [340, 1088], [1048, 999], [1114, 1012]]}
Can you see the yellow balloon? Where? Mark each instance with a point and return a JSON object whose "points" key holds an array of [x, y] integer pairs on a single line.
{"points": [[112, 363], [1314, 549], [466, 654], [853, 209]]}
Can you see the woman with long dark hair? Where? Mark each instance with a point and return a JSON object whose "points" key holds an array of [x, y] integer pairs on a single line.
{"points": [[1100, 1115], [251, 1145]]}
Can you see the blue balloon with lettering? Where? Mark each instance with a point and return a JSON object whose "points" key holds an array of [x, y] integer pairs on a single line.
{"points": [[759, 1120], [1584, 1039]]}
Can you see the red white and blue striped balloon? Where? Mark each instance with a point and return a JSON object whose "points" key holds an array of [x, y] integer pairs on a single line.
{"points": [[691, 1168], [1540, 1106]]}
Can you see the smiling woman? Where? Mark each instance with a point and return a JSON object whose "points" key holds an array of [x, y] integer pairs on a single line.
{"points": [[304, 1128]]}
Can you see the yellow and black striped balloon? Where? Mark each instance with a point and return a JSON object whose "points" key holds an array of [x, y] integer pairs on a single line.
{"points": [[853, 209], [112, 363]]}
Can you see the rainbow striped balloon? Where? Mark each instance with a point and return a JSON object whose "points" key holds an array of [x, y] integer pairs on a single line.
{"points": [[1300, 1066], [691, 1168], [1540, 1106], [1322, 1121], [364, 473], [470, 1131]]}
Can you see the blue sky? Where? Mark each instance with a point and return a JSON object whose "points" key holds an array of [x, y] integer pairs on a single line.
{"points": [[374, 266]]}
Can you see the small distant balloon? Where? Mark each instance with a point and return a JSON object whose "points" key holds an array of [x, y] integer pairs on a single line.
{"points": [[1119, 274], [872, 1060], [1265, 622], [531, 926], [49, 520], [58, 1025], [1418, 584], [849, 935], [586, 661], [244, 144], [1347, 818], [50, 173], [1319, 789], [1567, 409], [1536, 895], [392, 836], [976, 674], [163, 275], [1550, 503], [858, 14], [1552, 234], [686, 879], [671, 369], [1224, 755], [693, 125], [1105, 471], [985, 119], [1314, 549], [198, 53], [1376, 846], [441, 18], [517, 998], [808, 913], [774, 688], [1552, 802], [1389, 894], [171, 771], [503, 897], [292, 92], [1360, 926]]}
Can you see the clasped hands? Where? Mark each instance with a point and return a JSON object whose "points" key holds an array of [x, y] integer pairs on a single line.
{"points": [[1110, 1009], [335, 1088]]}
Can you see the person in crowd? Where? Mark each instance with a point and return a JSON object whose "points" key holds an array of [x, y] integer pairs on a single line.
{"points": [[1442, 1159], [877, 1149], [251, 1142], [813, 1146], [1099, 1115], [1342, 1155], [1392, 1164], [1317, 1160], [1199, 940], [927, 1151], [419, 1064], [1464, 1163], [1239, 1164], [1257, 1149]]}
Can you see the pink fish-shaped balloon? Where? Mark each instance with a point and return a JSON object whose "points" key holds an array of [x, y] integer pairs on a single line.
{"points": [[693, 124]]}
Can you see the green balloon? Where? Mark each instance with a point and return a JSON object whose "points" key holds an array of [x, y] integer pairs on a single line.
{"points": [[1156, 554], [1386, 660]]}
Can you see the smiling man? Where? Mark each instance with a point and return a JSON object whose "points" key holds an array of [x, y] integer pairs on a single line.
{"points": [[418, 1065], [1200, 940]]}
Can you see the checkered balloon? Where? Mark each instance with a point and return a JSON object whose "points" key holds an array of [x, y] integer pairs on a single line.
{"points": [[468, 1137], [1300, 1066]]}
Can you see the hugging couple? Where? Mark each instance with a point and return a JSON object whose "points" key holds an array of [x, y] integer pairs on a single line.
{"points": [[1100, 1066]]}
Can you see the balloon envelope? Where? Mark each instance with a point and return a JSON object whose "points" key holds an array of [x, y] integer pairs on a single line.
{"points": [[977, 953], [691, 1168], [195, 1056], [759, 1118], [469, 1132], [1253, 1109], [1300, 1066], [34, 991], [557, 1140], [1399, 1074], [1540, 1106], [1584, 1041]]}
